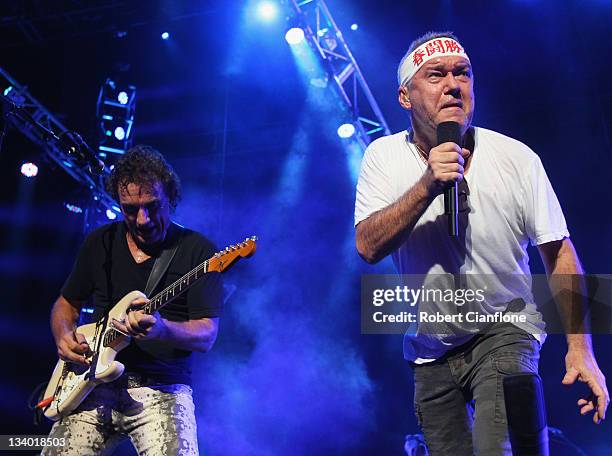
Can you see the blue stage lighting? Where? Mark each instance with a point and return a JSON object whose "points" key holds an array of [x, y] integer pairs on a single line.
{"points": [[122, 98], [120, 133], [294, 36], [267, 11], [354, 27], [110, 214], [165, 35], [73, 208], [7, 90], [29, 169], [346, 130]]}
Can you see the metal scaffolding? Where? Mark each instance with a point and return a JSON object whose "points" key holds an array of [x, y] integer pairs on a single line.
{"points": [[115, 111], [322, 33], [30, 117]]}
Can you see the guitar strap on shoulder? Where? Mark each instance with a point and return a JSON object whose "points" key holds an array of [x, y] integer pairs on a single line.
{"points": [[161, 264]]}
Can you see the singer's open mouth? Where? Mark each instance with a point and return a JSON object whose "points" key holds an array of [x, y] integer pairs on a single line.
{"points": [[453, 105]]}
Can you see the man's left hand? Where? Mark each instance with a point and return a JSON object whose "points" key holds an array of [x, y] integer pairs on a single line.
{"points": [[580, 365], [140, 325]]}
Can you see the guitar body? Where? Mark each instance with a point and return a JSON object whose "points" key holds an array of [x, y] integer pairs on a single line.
{"points": [[71, 383]]}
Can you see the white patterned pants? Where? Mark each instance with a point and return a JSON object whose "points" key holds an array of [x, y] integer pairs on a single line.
{"points": [[159, 420]]}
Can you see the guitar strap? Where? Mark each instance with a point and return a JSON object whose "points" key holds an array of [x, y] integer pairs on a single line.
{"points": [[161, 264]]}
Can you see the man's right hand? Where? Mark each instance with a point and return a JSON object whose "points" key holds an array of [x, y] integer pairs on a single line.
{"points": [[445, 165], [73, 347]]}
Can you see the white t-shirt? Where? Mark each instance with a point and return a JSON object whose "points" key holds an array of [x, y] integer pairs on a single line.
{"points": [[511, 202]]}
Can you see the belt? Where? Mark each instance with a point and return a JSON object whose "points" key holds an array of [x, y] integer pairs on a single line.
{"points": [[135, 380]]}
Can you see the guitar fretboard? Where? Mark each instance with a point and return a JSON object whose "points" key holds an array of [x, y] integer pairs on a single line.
{"points": [[176, 289], [165, 296]]}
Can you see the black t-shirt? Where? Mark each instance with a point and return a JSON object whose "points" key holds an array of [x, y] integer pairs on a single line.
{"points": [[106, 271]]}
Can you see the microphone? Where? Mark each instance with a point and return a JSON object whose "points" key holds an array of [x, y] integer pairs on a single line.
{"points": [[85, 154], [451, 132]]}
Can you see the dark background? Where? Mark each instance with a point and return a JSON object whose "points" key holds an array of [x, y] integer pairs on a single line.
{"points": [[257, 152]]}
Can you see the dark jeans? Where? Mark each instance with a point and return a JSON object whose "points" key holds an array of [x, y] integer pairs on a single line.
{"points": [[459, 399]]}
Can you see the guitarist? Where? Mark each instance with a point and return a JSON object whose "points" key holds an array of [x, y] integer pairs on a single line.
{"points": [[151, 402]]}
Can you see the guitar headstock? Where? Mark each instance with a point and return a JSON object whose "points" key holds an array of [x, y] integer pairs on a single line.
{"points": [[225, 258]]}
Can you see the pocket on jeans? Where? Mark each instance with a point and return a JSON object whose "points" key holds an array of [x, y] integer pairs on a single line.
{"points": [[508, 363], [514, 363]]}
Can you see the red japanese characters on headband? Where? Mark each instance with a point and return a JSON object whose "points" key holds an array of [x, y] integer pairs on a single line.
{"points": [[437, 47]]}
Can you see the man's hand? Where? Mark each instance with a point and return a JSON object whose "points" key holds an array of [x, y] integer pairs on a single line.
{"points": [[140, 325], [73, 347], [445, 165], [580, 364]]}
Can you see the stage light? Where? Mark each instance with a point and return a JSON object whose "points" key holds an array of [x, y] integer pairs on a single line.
{"points": [[29, 169], [346, 130], [354, 27], [7, 90], [122, 98], [165, 35], [73, 208], [294, 36], [120, 133], [267, 11], [110, 214], [115, 112]]}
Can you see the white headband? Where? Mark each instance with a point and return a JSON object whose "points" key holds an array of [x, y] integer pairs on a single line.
{"points": [[438, 47]]}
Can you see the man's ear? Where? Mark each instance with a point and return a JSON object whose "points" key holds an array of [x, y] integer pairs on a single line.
{"points": [[403, 98]]}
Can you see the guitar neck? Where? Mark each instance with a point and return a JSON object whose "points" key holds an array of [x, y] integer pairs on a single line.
{"points": [[176, 289], [219, 262]]}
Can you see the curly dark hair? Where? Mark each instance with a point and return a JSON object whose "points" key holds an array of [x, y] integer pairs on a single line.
{"points": [[144, 165]]}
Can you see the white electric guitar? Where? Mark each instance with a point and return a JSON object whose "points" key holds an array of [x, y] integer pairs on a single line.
{"points": [[71, 383]]}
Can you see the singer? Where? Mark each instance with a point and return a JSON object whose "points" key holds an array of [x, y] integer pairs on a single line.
{"points": [[505, 201]]}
